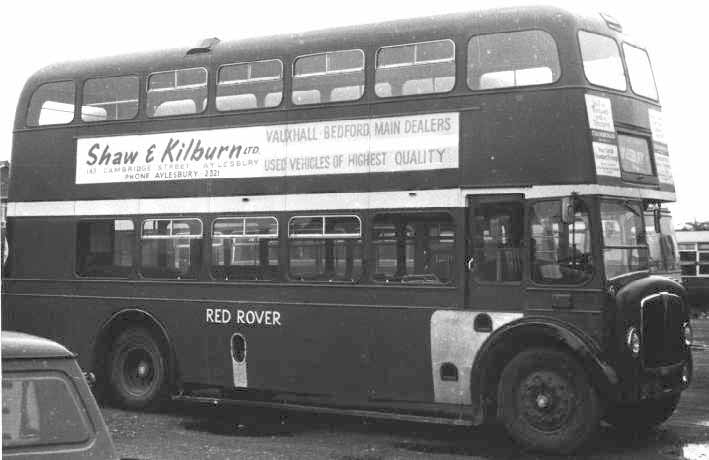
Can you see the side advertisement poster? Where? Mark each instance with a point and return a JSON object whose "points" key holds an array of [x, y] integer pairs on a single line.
{"points": [[409, 143]]}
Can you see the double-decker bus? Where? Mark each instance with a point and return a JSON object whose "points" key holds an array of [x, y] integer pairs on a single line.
{"points": [[439, 219]]}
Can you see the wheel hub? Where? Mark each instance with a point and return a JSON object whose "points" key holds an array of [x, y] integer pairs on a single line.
{"points": [[543, 401], [143, 369], [546, 400], [138, 372]]}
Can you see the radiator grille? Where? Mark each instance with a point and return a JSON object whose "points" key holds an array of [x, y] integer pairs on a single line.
{"points": [[662, 321]]}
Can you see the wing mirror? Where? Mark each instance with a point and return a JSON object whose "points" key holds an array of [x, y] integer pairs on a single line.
{"points": [[656, 218], [568, 205]]}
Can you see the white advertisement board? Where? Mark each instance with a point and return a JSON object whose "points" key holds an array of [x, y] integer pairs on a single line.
{"points": [[410, 143]]}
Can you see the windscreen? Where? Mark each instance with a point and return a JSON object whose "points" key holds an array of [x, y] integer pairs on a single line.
{"points": [[601, 61], [642, 81], [625, 248], [664, 256]]}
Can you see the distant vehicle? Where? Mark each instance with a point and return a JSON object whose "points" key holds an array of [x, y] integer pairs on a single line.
{"points": [[48, 410], [694, 260]]}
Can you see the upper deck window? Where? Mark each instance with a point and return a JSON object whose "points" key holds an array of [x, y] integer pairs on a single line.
{"points": [[328, 77], [512, 59], [415, 68], [113, 98], [250, 85], [642, 81], [177, 92], [52, 104], [601, 61]]}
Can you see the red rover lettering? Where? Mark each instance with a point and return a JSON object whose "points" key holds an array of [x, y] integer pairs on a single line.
{"points": [[249, 317]]}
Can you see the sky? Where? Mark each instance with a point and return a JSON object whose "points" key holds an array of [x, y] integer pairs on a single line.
{"points": [[35, 34]]}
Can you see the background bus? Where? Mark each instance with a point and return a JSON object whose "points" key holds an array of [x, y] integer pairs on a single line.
{"points": [[432, 219], [694, 260]]}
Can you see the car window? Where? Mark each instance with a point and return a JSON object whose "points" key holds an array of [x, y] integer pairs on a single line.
{"points": [[41, 409]]}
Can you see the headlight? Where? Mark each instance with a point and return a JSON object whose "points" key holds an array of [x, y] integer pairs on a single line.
{"points": [[688, 334], [632, 340], [686, 374]]}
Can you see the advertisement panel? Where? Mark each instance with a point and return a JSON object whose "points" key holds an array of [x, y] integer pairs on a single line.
{"points": [[407, 143]]}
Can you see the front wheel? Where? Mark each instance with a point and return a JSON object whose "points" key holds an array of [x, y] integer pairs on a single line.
{"points": [[643, 416], [138, 370], [546, 401]]}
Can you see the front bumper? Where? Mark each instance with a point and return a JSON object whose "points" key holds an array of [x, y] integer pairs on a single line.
{"points": [[662, 381]]}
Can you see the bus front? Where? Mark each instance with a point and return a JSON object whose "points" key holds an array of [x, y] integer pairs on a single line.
{"points": [[648, 334]]}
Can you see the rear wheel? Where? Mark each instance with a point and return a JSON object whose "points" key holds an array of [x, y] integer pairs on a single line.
{"points": [[644, 416], [546, 401], [138, 370]]}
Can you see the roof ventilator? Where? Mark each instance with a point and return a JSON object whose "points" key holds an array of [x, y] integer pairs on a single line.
{"points": [[612, 22], [205, 46]]}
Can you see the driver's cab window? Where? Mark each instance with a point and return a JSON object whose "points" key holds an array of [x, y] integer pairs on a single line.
{"points": [[497, 238], [560, 251]]}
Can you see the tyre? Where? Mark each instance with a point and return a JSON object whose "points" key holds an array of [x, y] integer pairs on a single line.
{"points": [[138, 370], [642, 417], [546, 401]]}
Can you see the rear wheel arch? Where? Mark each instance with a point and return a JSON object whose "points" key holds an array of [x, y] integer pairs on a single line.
{"points": [[112, 328], [512, 339]]}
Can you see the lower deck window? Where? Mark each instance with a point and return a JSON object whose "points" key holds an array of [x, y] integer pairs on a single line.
{"points": [[326, 259], [171, 248], [325, 248], [105, 248], [245, 248], [414, 249]]}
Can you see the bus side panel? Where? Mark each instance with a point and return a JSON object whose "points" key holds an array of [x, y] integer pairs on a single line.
{"points": [[71, 321], [352, 352], [41, 247], [537, 122]]}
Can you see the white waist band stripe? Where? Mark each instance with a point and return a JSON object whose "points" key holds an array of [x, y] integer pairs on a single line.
{"points": [[441, 198]]}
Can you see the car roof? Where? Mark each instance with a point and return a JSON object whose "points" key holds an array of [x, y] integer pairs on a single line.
{"points": [[18, 345]]}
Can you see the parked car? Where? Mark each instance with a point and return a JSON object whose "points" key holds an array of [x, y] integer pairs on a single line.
{"points": [[48, 410]]}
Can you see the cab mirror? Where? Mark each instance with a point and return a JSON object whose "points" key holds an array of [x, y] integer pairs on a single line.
{"points": [[656, 218], [567, 210]]}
